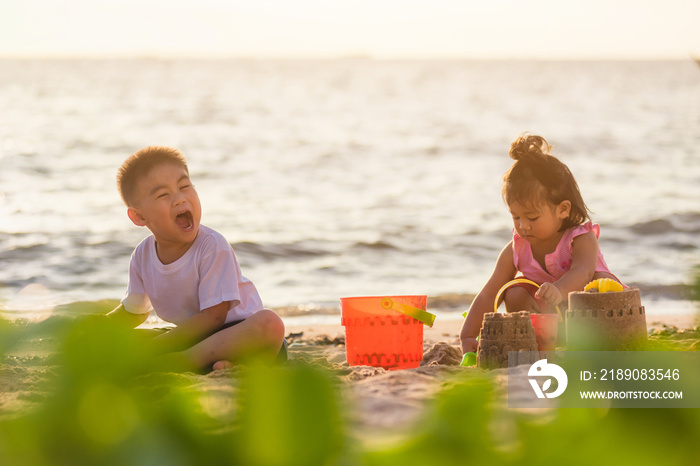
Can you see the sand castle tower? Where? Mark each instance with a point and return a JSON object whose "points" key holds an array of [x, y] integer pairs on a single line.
{"points": [[502, 333], [609, 321]]}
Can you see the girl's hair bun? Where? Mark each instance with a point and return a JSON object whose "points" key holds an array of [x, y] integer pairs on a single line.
{"points": [[537, 176], [529, 148]]}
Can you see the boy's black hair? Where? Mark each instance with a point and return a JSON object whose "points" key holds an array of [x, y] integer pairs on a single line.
{"points": [[140, 163]]}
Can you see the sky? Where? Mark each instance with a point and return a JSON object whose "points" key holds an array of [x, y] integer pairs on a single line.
{"points": [[482, 29]]}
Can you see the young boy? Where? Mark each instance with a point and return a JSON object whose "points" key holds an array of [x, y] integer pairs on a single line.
{"points": [[187, 273]]}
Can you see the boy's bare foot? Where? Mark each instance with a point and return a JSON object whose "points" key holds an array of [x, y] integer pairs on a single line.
{"points": [[219, 365]]}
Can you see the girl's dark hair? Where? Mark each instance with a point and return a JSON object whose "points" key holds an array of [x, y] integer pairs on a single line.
{"points": [[537, 176]]}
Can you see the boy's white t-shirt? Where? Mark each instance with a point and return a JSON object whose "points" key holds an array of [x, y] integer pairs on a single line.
{"points": [[206, 275]]}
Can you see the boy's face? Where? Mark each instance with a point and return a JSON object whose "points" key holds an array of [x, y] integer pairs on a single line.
{"points": [[168, 205]]}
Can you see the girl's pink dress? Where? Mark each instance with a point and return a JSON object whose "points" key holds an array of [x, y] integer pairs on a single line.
{"points": [[558, 262]]}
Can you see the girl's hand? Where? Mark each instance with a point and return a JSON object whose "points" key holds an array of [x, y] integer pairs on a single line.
{"points": [[469, 345], [549, 293]]}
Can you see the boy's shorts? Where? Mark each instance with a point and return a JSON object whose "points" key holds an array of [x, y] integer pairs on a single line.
{"points": [[282, 356]]}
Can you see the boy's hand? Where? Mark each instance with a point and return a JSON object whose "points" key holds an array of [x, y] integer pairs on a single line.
{"points": [[469, 345], [549, 293], [193, 330], [126, 318]]}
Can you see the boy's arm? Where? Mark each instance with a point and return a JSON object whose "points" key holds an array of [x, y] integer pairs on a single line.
{"points": [[483, 303], [584, 257], [126, 318], [193, 330]]}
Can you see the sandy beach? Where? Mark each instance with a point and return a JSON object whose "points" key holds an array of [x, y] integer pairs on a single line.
{"points": [[377, 407], [382, 396]]}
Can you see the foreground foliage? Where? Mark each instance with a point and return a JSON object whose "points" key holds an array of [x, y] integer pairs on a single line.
{"points": [[108, 404]]}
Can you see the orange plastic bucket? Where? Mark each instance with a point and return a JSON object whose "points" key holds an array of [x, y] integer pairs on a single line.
{"points": [[384, 331], [546, 329]]}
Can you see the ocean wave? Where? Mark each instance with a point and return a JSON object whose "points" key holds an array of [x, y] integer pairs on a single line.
{"points": [[679, 246], [306, 249], [22, 253], [684, 223], [272, 251], [677, 291], [376, 245]]}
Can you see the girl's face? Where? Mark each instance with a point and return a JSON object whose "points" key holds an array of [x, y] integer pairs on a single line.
{"points": [[539, 224]]}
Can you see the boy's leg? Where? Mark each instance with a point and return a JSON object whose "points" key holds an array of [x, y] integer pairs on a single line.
{"points": [[282, 355], [259, 335]]}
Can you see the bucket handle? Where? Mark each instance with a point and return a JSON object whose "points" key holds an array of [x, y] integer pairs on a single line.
{"points": [[419, 314], [515, 282]]}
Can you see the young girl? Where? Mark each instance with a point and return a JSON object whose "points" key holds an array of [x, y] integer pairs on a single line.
{"points": [[554, 243]]}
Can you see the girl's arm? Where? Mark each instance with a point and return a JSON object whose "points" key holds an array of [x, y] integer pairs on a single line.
{"points": [[584, 258], [503, 273]]}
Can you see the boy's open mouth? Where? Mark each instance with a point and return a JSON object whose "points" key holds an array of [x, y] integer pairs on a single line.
{"points": [[185, 221]]}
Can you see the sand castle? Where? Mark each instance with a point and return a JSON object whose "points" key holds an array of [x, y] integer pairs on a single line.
{"points": [[611, 321], [502, 333]]}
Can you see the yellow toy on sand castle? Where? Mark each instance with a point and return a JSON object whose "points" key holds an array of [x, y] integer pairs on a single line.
{"points": [[603, 285]]}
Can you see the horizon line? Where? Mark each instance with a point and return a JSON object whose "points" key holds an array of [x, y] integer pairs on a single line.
{"points": [[348, 57]]}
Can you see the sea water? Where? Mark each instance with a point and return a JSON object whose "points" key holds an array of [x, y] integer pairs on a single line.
{"points": [[342, 177]]}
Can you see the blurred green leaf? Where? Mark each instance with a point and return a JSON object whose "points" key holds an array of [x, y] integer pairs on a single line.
{"points": [[78, 308], [455, 433], [10, 335], [695, 285], [288, 416]]}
